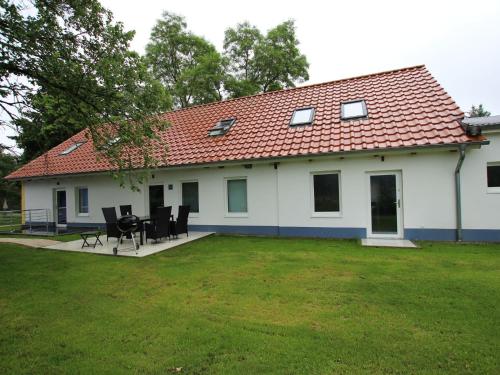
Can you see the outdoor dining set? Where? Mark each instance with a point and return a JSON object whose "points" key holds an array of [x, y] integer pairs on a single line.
{"points": [[160, 224]]}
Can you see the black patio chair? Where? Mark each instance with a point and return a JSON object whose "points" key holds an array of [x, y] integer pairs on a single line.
{"points": [[160, 226], [126, 209], [181, 224], [111, 220]]}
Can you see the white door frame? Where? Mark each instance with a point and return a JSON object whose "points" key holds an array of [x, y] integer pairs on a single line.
{"points": [[399, 204]]}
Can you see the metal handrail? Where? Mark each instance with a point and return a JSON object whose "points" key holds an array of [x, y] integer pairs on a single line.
{"points": [[35, 217]]}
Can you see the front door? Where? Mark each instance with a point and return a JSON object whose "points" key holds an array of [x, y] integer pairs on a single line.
{"points": [[156, 198], [385, 205], [61, 207]]}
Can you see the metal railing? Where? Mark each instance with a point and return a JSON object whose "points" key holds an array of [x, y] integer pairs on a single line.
{"points": [[29, 220]]}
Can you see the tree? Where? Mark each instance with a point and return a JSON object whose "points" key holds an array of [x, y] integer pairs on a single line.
{"points": [[478, 111], [66, 65], [239, 49], [189, 66], [261, 64], [9, 191]]}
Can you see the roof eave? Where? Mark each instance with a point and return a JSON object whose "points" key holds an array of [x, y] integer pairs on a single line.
{"points": [[265, 159]]}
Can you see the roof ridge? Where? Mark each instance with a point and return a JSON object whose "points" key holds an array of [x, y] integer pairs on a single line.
{"points": [[384, 72]]}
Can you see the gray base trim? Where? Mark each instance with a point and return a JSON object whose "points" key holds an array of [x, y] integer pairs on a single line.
{"points": [[417, 234], [323, 232], [86, 225], [283, 231], [430, 234], [260, 230], [470, 235], [481, 235]]}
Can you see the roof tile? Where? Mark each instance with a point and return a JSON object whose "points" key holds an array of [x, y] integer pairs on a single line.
{"points": [[406, 107]]}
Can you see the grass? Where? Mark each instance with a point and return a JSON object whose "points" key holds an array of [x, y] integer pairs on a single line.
{"points": [[231, 305], [59, 237], [10, 217]]}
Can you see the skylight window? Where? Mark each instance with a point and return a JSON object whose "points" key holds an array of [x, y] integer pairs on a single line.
{"points": [[354, 109], [221, 127], [72, 148], [302, 116]]}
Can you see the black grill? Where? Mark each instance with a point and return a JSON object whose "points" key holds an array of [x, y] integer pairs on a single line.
{"points": [[128, 223]]}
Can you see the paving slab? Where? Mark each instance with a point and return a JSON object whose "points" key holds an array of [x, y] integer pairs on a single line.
{"points": [[383, 242]]}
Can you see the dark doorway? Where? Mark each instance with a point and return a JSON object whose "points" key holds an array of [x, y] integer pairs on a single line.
{"points": [[61, 207], [384, 204], [156, 198]]}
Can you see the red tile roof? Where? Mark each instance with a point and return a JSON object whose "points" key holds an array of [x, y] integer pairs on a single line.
{"points": [[406, 108]]}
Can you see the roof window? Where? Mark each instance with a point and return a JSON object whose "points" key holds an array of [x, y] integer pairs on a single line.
{"points": [[302, 116], [353, 109], [72, 148], [114, 140], [221, 127]]}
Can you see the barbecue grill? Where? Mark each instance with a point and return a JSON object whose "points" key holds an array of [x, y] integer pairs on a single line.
{"points": [[127, 225]]}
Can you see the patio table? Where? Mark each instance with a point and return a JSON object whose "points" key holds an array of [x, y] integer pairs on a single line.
{"points": [[92, 234], [143, 219]]}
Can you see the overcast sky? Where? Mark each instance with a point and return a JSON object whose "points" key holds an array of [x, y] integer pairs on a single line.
{"points": [[458, 41]]}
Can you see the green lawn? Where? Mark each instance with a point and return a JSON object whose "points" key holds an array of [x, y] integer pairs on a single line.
{"points": [[246, 305], [59, 237]]}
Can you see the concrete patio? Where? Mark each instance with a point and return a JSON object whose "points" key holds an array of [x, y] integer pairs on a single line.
{"points": [[126, 249]]}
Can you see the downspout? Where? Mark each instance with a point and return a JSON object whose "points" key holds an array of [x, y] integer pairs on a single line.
{"points": [[275, 165], [458, 198]]}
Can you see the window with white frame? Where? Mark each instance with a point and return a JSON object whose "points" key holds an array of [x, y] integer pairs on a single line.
{"points": [[353, 110], [190, 196], [493, 177], [237, 196], [302, 116], [71, 148], [82, 200], [326, 192]]}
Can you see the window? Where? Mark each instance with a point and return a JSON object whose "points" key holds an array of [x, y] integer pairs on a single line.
{"points": [[221, 127], [72, 148], [326, 193], [190, 196], [302, 116], [82, 197], [237, 196], [493, 174], [353, 109]]}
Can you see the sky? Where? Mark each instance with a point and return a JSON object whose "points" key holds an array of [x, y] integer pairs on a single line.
{"points": [[458, 41]]}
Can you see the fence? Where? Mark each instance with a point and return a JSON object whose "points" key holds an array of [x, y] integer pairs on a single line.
{"points": [[27, 220]]}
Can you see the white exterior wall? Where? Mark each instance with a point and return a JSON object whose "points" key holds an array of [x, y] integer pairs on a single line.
{"points": [[280, 200], [428, 190], [103, 192], [481, 208]]}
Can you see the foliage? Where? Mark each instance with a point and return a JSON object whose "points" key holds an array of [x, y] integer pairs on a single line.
{"points": [[248, 305], [478, 111], [194, 72], [9, 190], [189, 66], [239, 48], [261, 64], [66, 65]]}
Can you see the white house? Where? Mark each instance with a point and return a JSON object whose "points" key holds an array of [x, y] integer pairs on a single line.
{"points": [[383, 155]]}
